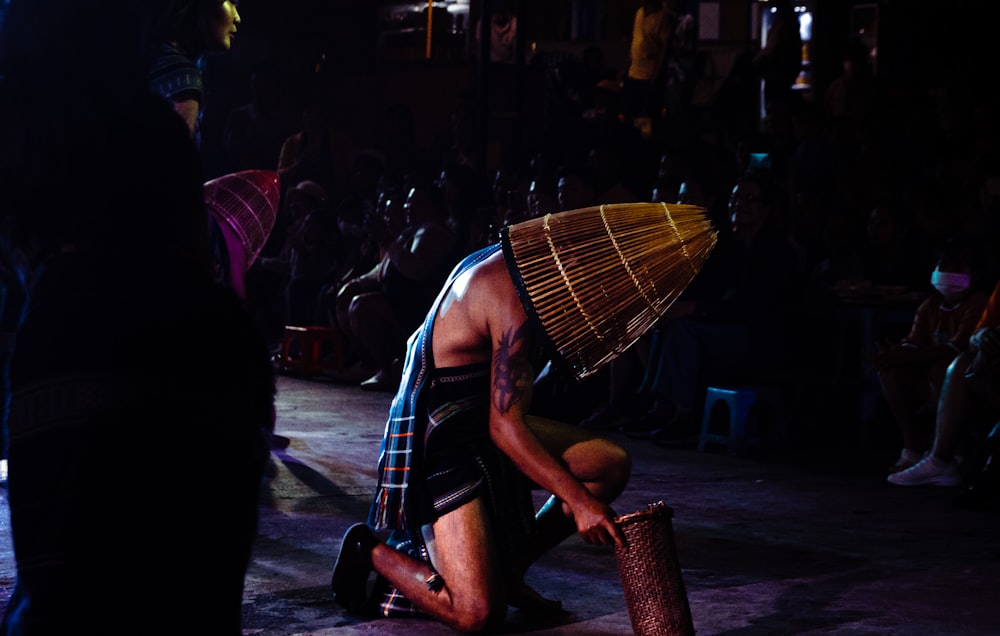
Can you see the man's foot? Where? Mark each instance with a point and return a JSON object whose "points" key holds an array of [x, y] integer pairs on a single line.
{"points": [[352, 374], [354, 564], [659, 415], [525, 598], [599, 420], [382, 381], [681, 431], [929, 471], [608, 418]]}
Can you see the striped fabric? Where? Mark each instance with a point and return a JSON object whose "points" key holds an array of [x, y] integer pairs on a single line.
{"points": [[445, 412], [174, 75], [402, 443]]}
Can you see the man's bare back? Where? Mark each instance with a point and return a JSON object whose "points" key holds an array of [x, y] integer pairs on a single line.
{"points": [[481, 301]]}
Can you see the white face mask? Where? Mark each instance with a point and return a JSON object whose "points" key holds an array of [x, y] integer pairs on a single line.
{"points": [[949, 283]]}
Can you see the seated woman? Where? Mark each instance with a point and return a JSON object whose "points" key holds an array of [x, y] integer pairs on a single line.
{"points": [[911, 371], [969, 397]]}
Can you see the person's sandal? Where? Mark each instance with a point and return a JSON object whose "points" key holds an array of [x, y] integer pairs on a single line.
{"points": [[350, 574]]}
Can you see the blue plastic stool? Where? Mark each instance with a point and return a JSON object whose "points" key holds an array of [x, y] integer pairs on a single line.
{"points": [[755, 418]]}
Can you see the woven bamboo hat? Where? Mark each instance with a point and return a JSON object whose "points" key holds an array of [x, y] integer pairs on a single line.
{"points": [[246, 202], [598, 278]]}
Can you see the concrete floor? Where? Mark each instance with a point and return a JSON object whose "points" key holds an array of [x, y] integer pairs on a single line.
{"points": [[800, 543]]}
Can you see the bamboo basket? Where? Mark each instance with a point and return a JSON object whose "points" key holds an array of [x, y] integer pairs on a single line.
{"points": [[598, 278], [246, 201], [651, 575]]}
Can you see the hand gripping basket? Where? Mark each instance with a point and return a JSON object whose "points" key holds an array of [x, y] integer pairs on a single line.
{"points": [[651, 575]]}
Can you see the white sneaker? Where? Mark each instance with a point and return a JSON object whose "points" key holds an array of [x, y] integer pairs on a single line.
{"points": [[929, 471], [906, 459]]}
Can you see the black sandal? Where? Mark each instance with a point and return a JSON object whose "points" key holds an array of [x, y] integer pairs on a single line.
{"points": [[350, 574]]}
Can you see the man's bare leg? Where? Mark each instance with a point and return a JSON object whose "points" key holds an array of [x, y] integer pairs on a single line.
{"points": [[468, 596], [604, 469]]}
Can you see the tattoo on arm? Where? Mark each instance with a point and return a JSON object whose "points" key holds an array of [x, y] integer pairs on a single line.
{"points": [[513, 374]]}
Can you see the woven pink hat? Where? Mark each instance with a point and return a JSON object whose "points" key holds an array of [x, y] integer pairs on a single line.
{"points": [[246, 203]]}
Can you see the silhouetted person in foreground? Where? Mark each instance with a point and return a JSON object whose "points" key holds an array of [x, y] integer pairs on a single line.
{"points": [[141, 393]]}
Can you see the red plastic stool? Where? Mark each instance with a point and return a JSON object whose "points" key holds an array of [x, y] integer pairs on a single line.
{"points": [[310, 350]]}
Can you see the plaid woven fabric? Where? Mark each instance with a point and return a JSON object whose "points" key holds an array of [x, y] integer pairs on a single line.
{"points": [[402, 443]]}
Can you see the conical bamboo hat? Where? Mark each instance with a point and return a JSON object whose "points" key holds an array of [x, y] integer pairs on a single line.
{"points": [[598, 278], [247, 201]]}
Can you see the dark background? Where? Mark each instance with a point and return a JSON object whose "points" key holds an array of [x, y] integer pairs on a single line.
{"points": [[367, 64]]}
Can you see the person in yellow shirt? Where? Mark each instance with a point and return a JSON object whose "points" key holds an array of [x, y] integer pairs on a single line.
{"points": [[642, 89]]}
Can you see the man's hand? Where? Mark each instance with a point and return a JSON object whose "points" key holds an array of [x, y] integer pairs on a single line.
{"points": [[989, 342], [985, 343], [595, 522]]}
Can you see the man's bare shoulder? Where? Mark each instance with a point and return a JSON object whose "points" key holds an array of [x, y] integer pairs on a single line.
{"points": [[484, 288], [494, 266], [479, 302]]}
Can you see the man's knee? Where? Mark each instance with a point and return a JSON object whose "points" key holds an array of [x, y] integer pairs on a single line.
{"points": [[615, 464], [620, 466], [369, 310], [480, 615]]}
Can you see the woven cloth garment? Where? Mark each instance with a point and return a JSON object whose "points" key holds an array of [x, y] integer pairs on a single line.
{"points": [[403, 441], [651, 575]]}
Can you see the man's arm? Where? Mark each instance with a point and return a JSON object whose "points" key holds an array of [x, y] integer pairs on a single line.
{"points": [[188, 110], [422, 255], [512, 380]]}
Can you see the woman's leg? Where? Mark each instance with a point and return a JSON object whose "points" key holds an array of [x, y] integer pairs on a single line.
{"points": [[900, 388], [953, 409]]}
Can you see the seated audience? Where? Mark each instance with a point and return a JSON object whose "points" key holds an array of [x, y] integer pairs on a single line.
{"points": [[732, 329], [310, 256], [318, 151], [631, 404], [255, 131], [912, 370], [970, 396], [381, 308]]}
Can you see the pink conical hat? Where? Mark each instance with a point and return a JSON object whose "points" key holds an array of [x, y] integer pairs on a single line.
{"points": [[247, 202]]}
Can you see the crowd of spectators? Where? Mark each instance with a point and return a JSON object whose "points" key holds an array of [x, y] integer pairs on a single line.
{"points": [[866, 184]]}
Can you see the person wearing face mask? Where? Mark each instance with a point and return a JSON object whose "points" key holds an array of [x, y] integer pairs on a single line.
{"points": [[911, 371], [970, 397]]}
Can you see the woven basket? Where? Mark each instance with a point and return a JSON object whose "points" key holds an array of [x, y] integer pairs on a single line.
{"points": [[247, 202], [651, 575], [597, 278]]}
